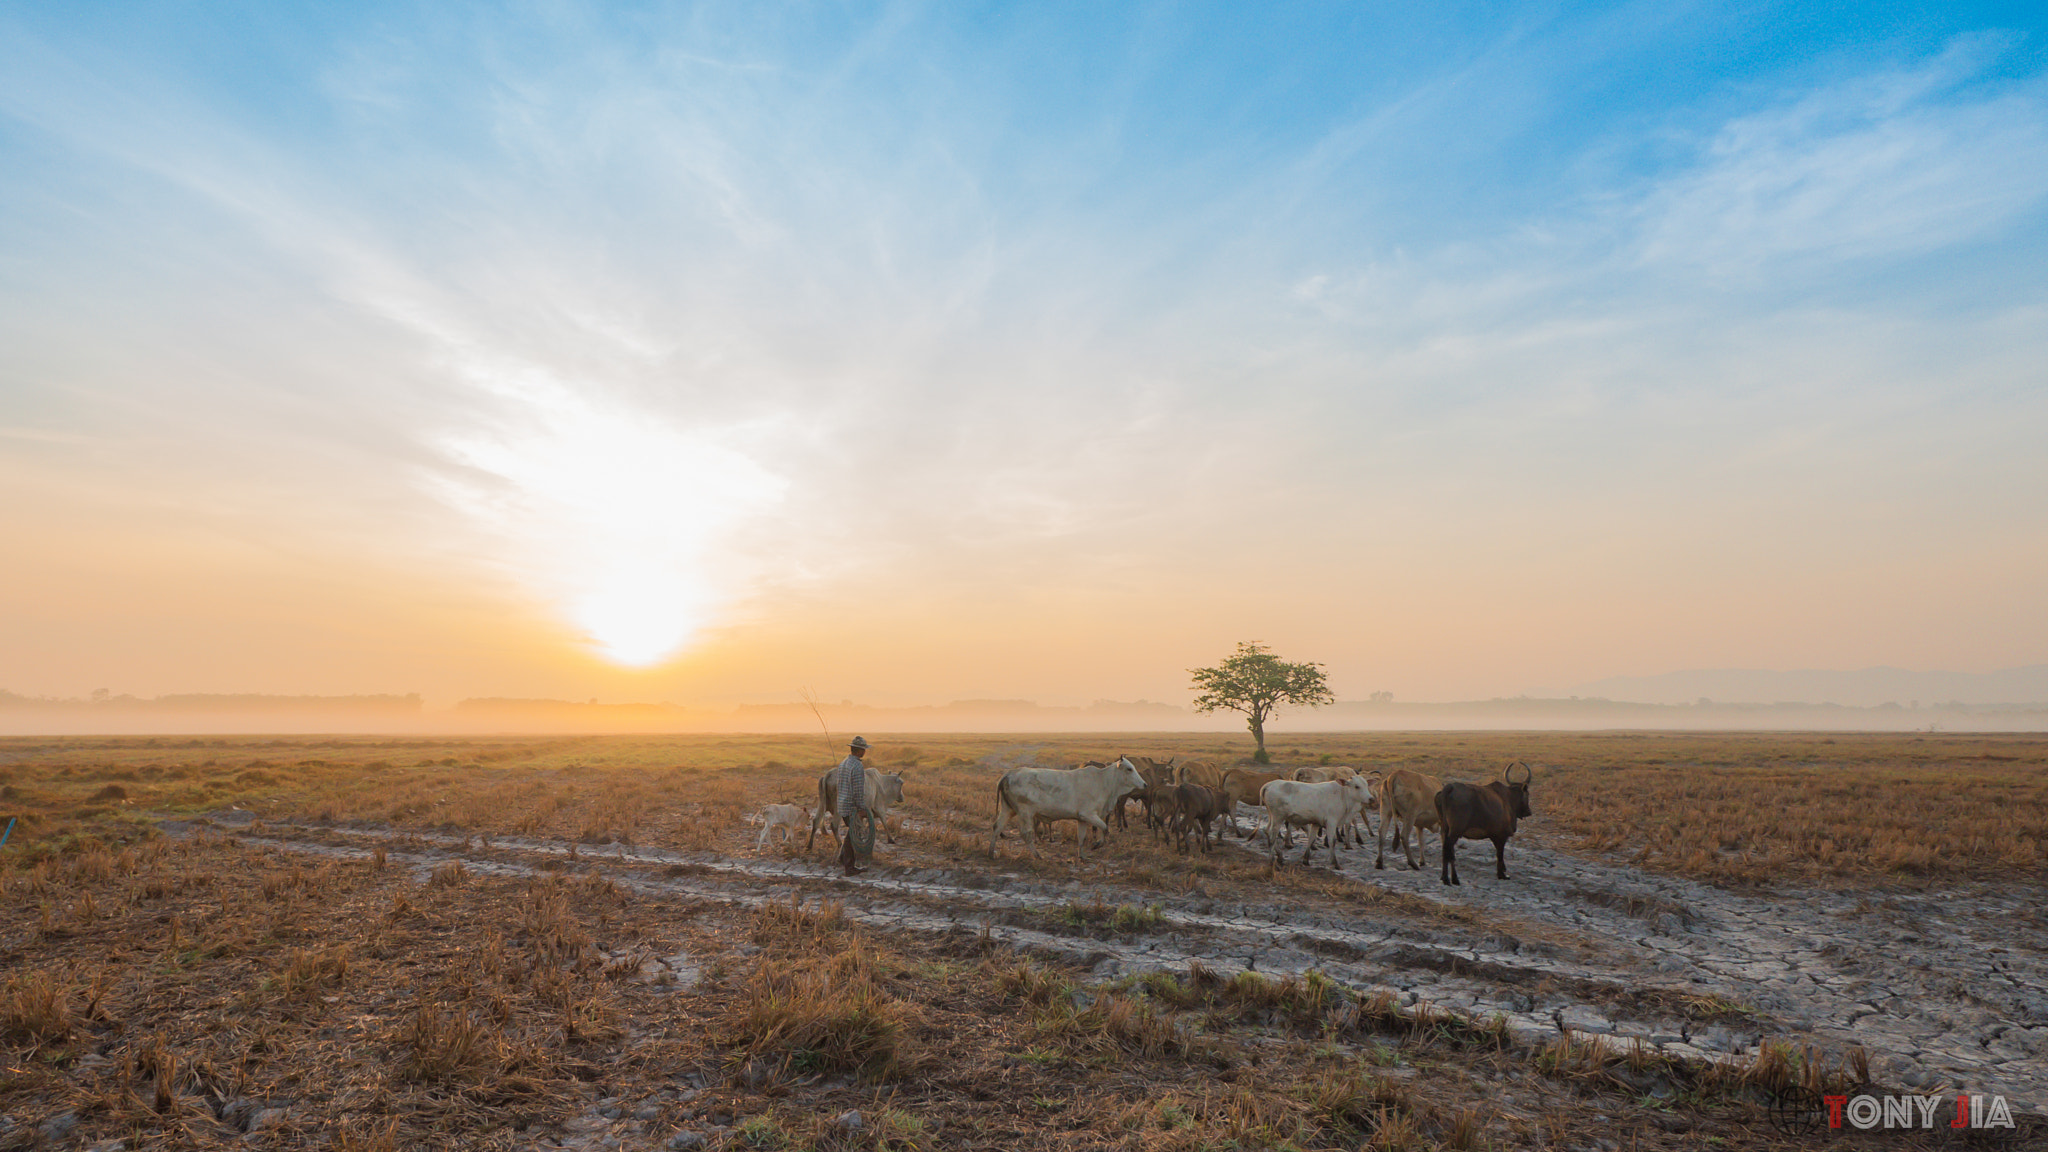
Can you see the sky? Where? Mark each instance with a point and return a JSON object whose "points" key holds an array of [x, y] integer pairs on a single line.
{"points": [[902, 353]]}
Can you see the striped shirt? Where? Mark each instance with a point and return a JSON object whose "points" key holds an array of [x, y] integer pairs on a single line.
{"points": [[852, 786]]}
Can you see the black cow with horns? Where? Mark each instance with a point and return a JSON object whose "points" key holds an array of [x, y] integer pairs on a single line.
{"points": [[1482, 812]]}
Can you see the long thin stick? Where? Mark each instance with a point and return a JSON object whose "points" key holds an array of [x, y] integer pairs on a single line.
{"points": [[9, 832], [811, 698]]}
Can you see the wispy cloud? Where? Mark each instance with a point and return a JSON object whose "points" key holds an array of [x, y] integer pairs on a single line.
{"points": [[1893, 164]]}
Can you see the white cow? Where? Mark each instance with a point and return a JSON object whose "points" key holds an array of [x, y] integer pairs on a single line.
{"points": [[783, 818], [884, 791], [1088, 795], [1320, 774], [1326, 807]]}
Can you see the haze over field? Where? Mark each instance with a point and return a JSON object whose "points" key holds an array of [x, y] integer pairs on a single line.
{"points": [[708, 352]]}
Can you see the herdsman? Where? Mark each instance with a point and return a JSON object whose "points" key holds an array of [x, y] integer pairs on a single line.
{"points": [[852, 786]]}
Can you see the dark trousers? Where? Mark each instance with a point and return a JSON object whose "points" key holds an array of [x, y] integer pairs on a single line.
{"points": [[846, 855]]}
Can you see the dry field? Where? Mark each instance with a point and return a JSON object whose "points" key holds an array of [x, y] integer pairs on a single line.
{"points": [[359, 944]]}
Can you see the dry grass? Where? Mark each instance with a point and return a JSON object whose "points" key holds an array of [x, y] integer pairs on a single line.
{"points": [[486, 1012], [35, 1009], [1728, 808], [151, 984], [824, 1010]]}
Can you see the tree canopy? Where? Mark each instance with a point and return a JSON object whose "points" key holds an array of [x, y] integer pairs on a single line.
{"points": [[1256, 682]]}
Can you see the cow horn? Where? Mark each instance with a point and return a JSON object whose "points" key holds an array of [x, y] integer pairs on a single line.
{"points": [[1508, 774]]}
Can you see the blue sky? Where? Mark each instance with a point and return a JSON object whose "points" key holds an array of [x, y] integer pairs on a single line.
{"points": [[673, 351]]}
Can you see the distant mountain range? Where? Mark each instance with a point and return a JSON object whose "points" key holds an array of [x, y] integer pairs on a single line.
{"points": [[1865, 688]]}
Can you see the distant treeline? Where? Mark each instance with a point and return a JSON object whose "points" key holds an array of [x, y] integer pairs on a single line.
{"points": [[252, 712], [237, 702]]}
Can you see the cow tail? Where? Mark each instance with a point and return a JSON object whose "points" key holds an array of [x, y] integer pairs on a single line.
{"points": [[1002, 804]]}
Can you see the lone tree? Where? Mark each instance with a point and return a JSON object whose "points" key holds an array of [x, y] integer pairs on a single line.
{"points": [[1256, 682]]}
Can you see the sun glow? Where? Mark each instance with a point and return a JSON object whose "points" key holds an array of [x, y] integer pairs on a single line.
{"points": [[617, 516]]}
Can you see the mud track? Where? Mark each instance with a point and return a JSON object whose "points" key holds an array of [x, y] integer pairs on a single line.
{"points": [[1946, 990]]}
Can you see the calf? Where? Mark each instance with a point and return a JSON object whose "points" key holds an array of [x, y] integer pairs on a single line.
{"points": [[1482, 812], [1162, 809], [783, 818], [1195, 805], [1154, 772]]}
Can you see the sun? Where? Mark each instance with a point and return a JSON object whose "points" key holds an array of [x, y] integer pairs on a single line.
{"points": [[643, 616], [620, 518]]}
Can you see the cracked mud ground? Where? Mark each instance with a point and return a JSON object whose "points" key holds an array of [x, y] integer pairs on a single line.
{"points": [[1946, 990]]}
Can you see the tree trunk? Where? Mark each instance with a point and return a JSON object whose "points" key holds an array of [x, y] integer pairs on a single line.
{"points": [[1258, 726]]}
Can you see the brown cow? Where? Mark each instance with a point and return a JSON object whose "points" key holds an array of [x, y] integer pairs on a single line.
{"points": [[1482, 812], [1154, 772], [1242, 787], [1162, 809], [1201, 772], [1193, 804], [1407, 806]]}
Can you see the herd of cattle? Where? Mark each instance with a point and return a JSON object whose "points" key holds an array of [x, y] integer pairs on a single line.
{"points": [[1191, 803]]}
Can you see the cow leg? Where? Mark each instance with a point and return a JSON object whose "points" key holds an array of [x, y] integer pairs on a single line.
{"points": [[1093, 824], [1448, 873], [1002, 814], [1500, 857]]}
